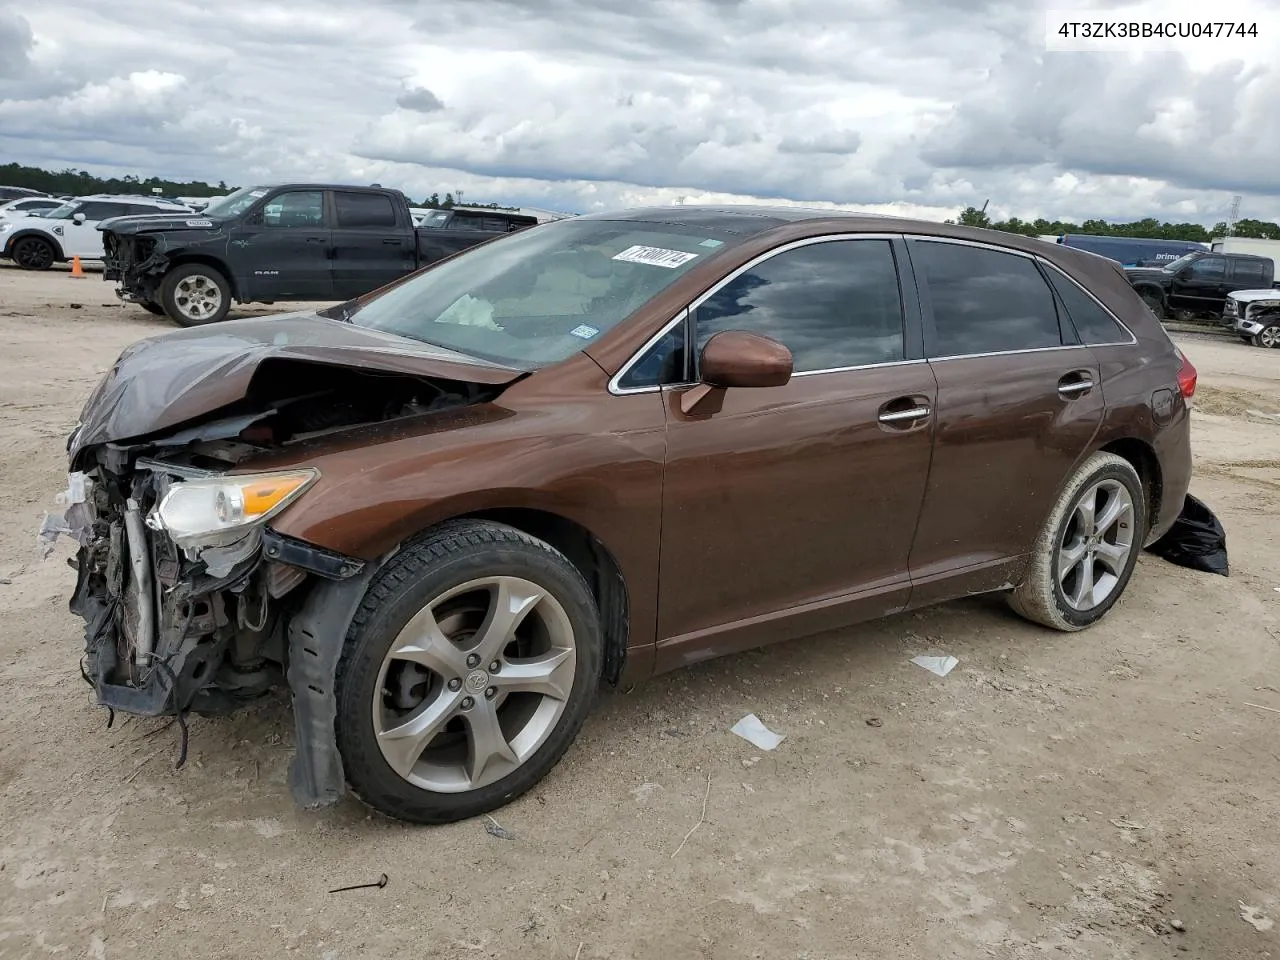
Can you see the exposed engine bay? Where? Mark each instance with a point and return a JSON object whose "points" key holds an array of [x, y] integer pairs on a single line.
{"points": [[185, 590]]}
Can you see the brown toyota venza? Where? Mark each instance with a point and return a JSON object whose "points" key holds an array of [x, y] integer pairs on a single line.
{"points": [[442, 514]]}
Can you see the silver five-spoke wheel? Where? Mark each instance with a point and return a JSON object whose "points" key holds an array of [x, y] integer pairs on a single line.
{"points": [[1096, 544], [474, 684]]}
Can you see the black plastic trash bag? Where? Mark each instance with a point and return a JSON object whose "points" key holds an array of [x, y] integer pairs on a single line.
{"points": [[1195, 540]]}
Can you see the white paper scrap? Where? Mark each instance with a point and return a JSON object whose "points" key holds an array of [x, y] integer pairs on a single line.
{"points": [[751, 729], [939, 665]]}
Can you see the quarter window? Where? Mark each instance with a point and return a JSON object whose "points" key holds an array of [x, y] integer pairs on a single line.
{"points": [[1093, 323], [661, 364], [985, 301], [833, 304]]}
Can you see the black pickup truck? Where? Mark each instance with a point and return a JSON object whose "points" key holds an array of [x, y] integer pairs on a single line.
{"points": [[1197, 284], [284, 242]]}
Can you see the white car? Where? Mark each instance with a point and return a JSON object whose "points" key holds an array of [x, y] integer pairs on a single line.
{"points": [[25, 206], [71, 230], [1254, 315]]}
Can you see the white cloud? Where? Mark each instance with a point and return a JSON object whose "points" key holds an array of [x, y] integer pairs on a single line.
{"points": [[911, 106]]}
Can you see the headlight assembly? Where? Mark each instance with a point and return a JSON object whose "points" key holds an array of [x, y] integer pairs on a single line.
{"points": [[218, 511]]}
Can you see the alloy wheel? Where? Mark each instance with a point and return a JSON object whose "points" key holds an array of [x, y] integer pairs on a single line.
{"points": [[197, 297], [1096, 545], [474, 684], [1270, 336]]}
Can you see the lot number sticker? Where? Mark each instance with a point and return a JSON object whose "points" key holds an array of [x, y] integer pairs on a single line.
{"points": [[656, 256]]}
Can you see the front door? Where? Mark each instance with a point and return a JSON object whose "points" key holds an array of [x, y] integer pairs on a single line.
{"points": [[283, 250], [370, 247], [788, 510], [1019, 402], [1201, 286]]}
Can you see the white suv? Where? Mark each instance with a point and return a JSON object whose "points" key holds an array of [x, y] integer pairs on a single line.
{"points": [[25, 206], [71, 230]]}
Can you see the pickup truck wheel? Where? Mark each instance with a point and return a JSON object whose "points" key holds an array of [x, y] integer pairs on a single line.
{"points": [[467, 672], [1153, 302], [32, 253], [1268, 336], [194, 294]]}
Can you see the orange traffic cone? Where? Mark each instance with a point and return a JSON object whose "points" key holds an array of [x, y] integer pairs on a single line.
{"points": [[77, 272]]}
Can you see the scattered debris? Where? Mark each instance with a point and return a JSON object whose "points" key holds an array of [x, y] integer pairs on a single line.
{"points": [[750, 728], [495, 829], [1178, 925], [701, 819], [138, 770], [1253, 916], [76, 306], [1261, 707], [1125, 824], [5, 581], [581, 944], [380, 883], [1196, 540], [874, 722], [750, 761], [939, 665]]}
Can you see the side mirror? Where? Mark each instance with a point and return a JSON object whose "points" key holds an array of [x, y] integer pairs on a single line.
{"points": [[736, 358], [78, 218]]}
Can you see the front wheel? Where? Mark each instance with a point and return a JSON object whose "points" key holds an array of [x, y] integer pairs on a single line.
{"points": [[1085, 555], [467, 672], [32, 253], [1154, 303], [194, 294], [1268, 336]]}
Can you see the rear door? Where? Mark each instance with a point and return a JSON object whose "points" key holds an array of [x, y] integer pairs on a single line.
{"points": [[463, 231], [282, 249], [1249, 275], [1019, 401], [1202, 286], [371, 247]]}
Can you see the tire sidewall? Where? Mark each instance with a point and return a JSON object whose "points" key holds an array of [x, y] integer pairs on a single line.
{"points": [[169, 287], [1259, 341], [1125, 474], [370, 775]]}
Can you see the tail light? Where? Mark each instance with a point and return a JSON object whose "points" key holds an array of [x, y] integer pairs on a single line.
{"points": [[1186, 376]]}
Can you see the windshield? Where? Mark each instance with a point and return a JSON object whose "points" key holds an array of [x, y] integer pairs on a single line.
{"points": [[1182, 261], [540, 295], [63, 212], [234, 204]]}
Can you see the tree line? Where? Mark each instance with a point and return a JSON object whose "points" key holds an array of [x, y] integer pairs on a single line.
{"points": [[1148, 228], [80, 183]]}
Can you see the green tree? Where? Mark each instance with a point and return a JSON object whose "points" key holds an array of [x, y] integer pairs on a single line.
{"points": [[973, 217]]}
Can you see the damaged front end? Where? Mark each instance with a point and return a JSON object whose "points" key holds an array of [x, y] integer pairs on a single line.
{"points": [[136, 263], [191, 601]]}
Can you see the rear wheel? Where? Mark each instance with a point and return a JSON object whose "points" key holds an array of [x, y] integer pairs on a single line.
{"points": [[1154, 302], [1085, 555], [1268, 336], [33, 253], [194, 294], [466, 674]]}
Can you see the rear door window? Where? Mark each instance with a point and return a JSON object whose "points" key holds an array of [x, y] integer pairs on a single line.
{"points": [[984, 301], [1251, 273], [364, 209]]}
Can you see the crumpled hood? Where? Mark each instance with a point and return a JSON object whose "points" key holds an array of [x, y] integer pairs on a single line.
{"points": [[147, 222], [169, 380], [1250, 296]]}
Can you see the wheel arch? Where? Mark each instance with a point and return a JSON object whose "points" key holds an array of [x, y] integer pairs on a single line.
{"points": [[58, 253], [1142, 457], [182, 259], [589, 556]]}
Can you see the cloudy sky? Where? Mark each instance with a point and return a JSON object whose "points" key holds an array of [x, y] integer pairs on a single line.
{"points": [[901, 106]]}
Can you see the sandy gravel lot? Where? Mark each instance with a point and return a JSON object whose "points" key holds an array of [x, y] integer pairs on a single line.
{"points": [[1103, 795]]}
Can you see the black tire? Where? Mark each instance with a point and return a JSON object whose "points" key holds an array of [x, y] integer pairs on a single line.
{"points": [[1154, 302], [34, 253], [177, 306], [454, 554], [1040, 596], [152, 307], [1268, 336]]}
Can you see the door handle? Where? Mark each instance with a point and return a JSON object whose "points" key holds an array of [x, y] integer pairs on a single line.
{"points": [[903, 412], [315, 239], [1075, 384], [392, 242]]}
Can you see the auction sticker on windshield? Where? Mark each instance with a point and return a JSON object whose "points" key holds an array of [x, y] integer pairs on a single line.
{"points": [[655, 256]]}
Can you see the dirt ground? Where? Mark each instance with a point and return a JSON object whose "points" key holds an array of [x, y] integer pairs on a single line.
{"points": [[1111, 794]]}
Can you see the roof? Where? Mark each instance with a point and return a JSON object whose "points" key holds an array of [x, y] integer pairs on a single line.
{"points": [[131, 197], [742, 219]]}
